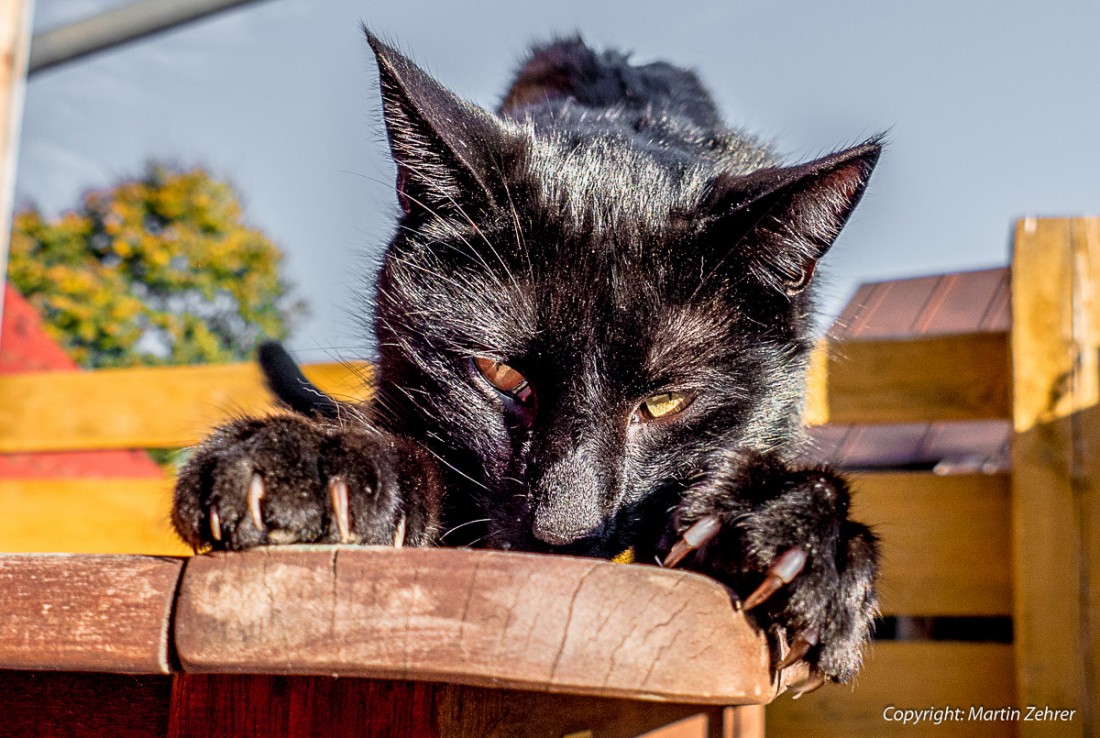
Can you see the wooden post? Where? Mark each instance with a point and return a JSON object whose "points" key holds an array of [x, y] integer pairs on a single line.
{"points": [[14, 19], [1056, 480]]}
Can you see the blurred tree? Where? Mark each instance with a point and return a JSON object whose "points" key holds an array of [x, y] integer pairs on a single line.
{"points": [[158, 270]]}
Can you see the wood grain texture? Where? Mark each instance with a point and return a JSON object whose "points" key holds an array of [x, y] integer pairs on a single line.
{"points": [[1056, 480], [914, 675], [86, 613], [945, 541], [72, 705], [118, 516], [479, 618], [148, 407], [960, 377]]}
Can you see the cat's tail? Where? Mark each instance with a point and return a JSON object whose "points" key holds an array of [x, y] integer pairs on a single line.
{"points": [[289, 385], [568, 69]]}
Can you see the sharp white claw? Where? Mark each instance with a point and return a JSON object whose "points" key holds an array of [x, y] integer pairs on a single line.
{"points": [[788, 566], [698, 535], [814, 683], [782, 572], [255, 494], [215, 525], [399, 534], [338, 496]]}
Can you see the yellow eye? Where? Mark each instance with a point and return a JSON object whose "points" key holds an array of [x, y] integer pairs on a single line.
{"points": [[504, 378], [663, 405]]}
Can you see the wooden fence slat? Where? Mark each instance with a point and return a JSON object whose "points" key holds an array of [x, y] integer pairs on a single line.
{"points": [[957, 377], [913, 675], [1056, 480], [160, 407], [91, 516], [944, 378], [86, 613], [480, 618], [1086, 472], [945, 541]]}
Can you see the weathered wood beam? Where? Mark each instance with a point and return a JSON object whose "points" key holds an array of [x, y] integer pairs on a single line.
{"points": [[942, 378], [1056, 462], [479, 618], [86, 613]]}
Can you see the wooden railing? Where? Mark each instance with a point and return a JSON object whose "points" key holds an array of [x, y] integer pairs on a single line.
{"points": [[1022, 545], [426, 642]]}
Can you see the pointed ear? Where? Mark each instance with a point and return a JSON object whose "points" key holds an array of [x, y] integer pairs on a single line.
{"points": [[446, 149], [783, 219]]}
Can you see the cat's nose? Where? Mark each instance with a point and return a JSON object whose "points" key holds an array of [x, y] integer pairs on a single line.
{"points": [[570, 492], [562, 524]]}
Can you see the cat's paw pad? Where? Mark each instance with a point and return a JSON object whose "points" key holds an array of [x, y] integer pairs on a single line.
{"points": [[287, 479]]}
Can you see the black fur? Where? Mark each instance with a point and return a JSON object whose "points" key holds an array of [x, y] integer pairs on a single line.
{"points": [[607, 237]]}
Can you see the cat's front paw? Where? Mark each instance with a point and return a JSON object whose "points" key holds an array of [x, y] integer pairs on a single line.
{"points": [[291, 479], [782, 540]]}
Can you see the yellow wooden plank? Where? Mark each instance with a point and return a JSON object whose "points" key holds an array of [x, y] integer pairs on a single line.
{"points": [[161, 407], [1056, 481], [125, 516], [945, 541], [943, 378], [959, 377], [915, 675]]}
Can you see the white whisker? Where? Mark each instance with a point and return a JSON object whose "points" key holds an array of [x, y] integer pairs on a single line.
{"points": [[463, 525]]}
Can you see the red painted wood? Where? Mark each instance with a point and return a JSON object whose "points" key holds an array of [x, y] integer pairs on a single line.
{"points": [[249, 706], [64, 705]]}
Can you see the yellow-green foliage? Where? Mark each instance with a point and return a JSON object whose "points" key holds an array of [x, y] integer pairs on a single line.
{"points": [[158, 270]]}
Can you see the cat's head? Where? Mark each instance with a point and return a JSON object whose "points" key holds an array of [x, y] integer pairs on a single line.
{"points": [[575, 317]]}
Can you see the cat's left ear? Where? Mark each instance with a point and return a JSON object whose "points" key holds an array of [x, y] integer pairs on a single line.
{"points": [[446, 149], [782, 220]]}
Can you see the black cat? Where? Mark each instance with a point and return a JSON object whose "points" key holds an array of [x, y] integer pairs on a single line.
{"points": [[593, 326]]}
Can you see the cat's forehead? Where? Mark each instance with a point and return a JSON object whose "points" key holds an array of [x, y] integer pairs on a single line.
{"points": [[594, 318], [602, 184]]}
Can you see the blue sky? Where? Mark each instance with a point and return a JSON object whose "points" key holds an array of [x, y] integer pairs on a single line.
{"points": [[992, 108]]}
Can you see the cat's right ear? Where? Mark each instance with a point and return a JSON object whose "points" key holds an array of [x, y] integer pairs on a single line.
{"points": [[781, 220], [447, 151]]}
